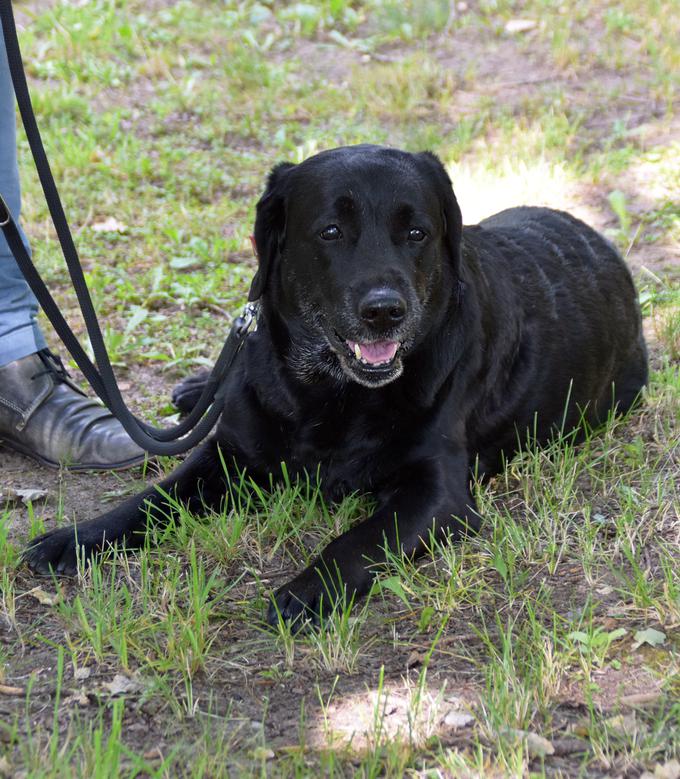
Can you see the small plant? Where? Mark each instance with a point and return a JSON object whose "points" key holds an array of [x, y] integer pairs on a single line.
{"points": [[594, 645], [667, 323], [619, 205]]}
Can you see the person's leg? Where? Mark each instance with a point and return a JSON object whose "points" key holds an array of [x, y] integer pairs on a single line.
{"points": [[42, 413], [19, 331]]}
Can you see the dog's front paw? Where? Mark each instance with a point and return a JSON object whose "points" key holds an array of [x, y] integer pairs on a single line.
{"points": [[301, 601], [186, 394], [310, 597], [59, 551]]}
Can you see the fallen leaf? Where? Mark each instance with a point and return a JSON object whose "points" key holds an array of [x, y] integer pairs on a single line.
{"points": [[415, 658], [670, 770], [153, 754], [457, 719], [24, 495], [263, 753], [537, 746], [640, 698], [80, 698], [581, 729], [7, 737], [44, 598], [7, 690], [122, 685], [568, 746], [109, 225], [80, 674], [648, 636], [620, 608], [293, 749], [513, 26], [623, 724], [185, 263], [6, 769]]}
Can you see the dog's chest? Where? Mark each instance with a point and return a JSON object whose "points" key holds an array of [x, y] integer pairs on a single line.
{"points": [[349, 451]]}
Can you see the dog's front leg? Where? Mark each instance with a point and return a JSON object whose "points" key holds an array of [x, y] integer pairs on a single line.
{"points": [[59, 550], [431, 495]]}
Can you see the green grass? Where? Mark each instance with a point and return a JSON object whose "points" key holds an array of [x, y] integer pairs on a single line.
{"points": [[167, 118]]}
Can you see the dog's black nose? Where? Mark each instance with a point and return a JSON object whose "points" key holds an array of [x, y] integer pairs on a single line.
{"points": [[382, 307]]}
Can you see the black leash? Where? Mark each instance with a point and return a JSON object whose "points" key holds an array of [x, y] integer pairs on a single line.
{"points": [[165, 441]]}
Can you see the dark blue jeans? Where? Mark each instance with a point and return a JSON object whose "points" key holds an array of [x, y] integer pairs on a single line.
{"points": [[19, 331]]}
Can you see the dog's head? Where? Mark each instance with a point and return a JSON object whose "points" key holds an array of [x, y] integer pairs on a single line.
{"points": [[358, 250]]}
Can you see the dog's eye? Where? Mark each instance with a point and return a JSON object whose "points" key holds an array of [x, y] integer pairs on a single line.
{"points": [[330, 233], [416, 234]]}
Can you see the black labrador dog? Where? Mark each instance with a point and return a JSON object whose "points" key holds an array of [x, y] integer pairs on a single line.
{"points": [[396, 350]]}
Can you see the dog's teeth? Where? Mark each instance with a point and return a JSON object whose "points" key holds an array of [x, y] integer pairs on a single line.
{"points": [[357, 352]]}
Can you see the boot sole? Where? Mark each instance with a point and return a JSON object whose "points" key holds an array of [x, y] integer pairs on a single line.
{"points": [[119, 466]]}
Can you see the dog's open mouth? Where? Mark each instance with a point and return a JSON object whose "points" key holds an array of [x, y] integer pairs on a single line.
{"points": [[376, 354], [371, 363]]}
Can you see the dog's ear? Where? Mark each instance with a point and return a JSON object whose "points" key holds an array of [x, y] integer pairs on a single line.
{"points": [[270, 224], [453, 220]]}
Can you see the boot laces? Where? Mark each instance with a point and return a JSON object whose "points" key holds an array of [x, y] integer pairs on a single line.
{"points": [[53, 366]]}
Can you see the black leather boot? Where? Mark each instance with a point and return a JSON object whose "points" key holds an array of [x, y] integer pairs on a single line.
{"points": [[44, 415]]}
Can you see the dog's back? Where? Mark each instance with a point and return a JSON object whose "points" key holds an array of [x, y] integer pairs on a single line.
{"points": [[568, 318]]}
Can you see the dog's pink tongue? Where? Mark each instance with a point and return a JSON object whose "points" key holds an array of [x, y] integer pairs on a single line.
{"points": [[379, 351]]}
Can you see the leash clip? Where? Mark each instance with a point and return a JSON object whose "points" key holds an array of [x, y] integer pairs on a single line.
{"points": [[247, 321], [5, 214]]}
